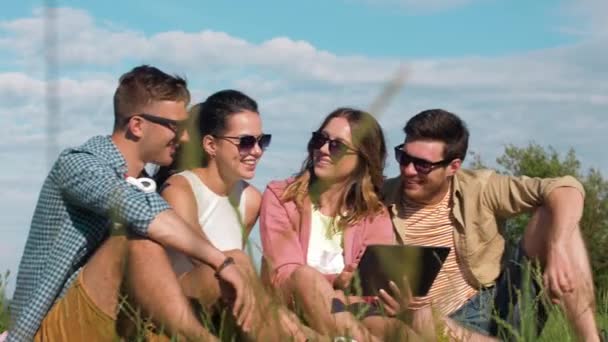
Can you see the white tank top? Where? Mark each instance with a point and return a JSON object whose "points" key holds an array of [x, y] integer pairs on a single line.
{"points": [[220, 217]]}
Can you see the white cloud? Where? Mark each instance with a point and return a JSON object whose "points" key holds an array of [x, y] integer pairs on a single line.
{"points": [[83, 42], [82, 107], [217, 55], [78, 40], [15, 87], [586, 18]]}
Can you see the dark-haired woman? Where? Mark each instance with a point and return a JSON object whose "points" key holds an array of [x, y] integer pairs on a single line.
{"points": [[215, 198]]}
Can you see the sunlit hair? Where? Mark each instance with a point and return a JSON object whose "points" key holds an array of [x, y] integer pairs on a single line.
{"points": [[360, 198], [141, 86]]}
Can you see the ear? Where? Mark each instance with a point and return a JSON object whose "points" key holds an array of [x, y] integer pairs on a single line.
{"points": [[135, 126], [454, 166], [209, 145]]}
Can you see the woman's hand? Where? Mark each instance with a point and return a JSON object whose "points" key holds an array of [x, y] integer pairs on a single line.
{"points": [[343, 279]]}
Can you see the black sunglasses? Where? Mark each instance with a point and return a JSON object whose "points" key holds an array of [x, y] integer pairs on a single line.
{"points": [[421, 165], [337, 148], [247, 142], [176, 126]]}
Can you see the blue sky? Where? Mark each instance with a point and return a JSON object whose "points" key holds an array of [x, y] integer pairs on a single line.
{"points": [[349, 27], [516, 71]]}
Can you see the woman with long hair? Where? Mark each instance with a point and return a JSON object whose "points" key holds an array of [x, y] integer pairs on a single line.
{"points": [[213, 195], [315, 226]]}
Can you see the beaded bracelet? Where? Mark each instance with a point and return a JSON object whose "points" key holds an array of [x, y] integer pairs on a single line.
{"points": [[227, 262]]}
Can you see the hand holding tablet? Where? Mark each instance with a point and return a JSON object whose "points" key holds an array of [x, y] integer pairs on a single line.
{"points": [[381, 264]]}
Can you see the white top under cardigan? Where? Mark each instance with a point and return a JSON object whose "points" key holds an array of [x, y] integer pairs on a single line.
{"points": [[325, 252]]}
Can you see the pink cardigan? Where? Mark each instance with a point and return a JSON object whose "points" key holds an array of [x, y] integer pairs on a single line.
{"points": [[285, 233]]}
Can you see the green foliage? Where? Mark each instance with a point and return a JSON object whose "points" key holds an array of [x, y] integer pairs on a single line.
{"points": [[477, 163], [536, 161], [595, 225], [4, 316]]}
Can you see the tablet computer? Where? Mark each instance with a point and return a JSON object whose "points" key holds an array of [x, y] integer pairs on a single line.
{"points": [[382, 263]]}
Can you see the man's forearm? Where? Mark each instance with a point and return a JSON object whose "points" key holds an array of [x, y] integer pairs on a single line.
{"points": [[566, 207], [170, 230]]}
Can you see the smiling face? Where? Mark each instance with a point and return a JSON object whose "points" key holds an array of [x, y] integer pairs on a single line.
{"points": [[234, 161], [335, 169], [427, 188], [159, 141]]}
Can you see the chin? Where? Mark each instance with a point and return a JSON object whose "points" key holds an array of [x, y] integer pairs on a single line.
{"points": [[327, 177], [162, 161], [322, 171], [246, 174], [321, 174], [413, 194]]}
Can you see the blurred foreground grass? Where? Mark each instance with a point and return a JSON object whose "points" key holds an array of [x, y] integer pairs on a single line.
{"points": [[556, 329]]}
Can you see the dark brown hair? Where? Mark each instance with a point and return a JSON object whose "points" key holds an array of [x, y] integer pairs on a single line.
{"points": [[441, 125]]}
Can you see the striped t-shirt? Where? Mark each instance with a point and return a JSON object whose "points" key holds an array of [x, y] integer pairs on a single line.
{"points": [[433, 225]]}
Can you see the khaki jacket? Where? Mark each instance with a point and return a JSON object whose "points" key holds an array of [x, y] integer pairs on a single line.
{"points": [[482, 201]]}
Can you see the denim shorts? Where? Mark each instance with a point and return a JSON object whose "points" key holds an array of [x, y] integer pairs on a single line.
{"points": [[498, 310]]}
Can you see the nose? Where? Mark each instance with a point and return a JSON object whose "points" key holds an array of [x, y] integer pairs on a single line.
{"points": [[325, 148], [185, 137], [256, 151], [409, 169]]}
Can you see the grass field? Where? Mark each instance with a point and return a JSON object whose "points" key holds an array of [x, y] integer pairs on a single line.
{"points": [[556, 329]]}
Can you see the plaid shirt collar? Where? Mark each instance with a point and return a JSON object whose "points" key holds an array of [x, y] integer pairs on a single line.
{"points": [[104, 148]]}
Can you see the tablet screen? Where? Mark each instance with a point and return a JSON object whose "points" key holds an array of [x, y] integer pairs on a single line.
{"points": [[383, 263]]}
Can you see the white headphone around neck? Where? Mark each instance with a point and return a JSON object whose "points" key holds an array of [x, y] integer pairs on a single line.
{"points": [[144, 184]]}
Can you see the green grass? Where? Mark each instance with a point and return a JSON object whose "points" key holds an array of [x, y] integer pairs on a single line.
{"points": [[556, 329], [4, 318]]}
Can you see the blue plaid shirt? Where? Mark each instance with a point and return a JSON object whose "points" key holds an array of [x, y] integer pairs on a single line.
{"points": [[83, 195]]}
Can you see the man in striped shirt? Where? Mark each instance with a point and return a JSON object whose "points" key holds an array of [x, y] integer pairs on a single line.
{"points": [[434, 202]]}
